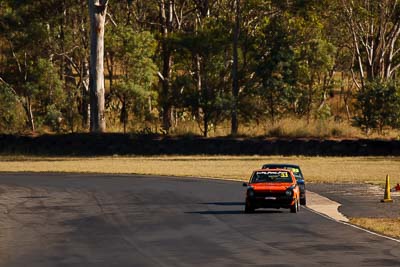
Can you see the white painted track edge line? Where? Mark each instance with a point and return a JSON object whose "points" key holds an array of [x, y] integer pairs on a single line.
{"points": [[354, 226]]}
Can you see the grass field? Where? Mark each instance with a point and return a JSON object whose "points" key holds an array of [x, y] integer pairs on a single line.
{"points": [[315, 169]]}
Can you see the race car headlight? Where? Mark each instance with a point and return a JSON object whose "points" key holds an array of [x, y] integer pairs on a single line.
{"points": [[250, 192], [289, 192]]}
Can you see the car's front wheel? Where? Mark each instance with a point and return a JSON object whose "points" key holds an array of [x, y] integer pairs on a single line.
{"points": [[303, 201], [296, 207], [248, 208]]}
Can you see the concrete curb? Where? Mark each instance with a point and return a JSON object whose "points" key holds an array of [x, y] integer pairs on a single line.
{"points": [[325, 206]]}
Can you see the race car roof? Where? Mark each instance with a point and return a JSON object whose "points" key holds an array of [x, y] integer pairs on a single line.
{"points": [[280, 165]]}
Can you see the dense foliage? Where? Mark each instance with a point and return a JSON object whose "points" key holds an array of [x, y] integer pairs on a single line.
{"points": [[206, 62]]}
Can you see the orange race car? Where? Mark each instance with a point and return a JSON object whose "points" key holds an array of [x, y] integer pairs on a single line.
{"points": [[272, 188]]}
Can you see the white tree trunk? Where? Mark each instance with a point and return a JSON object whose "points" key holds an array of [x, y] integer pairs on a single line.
{"points": [[86, 94], [97, 11]]}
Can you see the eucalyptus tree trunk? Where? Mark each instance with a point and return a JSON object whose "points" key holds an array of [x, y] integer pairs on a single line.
{"points": [[203, 117], [166, 20], [97, 11], [85, 68], [85, 94], [28, 110], [235, 78]]}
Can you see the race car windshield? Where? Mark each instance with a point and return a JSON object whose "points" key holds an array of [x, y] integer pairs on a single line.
{"points": [[296, 171], [271, 177]]}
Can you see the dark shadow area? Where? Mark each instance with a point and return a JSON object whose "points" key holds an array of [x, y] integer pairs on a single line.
{"points": [[267, 211], [233, 212], [216, 212], [35, 197], [224, 203], [107, 144]]}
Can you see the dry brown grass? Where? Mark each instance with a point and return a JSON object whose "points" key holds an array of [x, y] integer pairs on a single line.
{"points": [[287, 128], [389, 227], [294, 128], [315, 169]]}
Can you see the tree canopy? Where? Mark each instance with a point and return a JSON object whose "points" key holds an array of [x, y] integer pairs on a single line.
{"points": [[205, 63]]}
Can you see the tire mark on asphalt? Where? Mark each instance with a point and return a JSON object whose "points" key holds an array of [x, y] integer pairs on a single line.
{"points": [[118, 220], [261, 243]]}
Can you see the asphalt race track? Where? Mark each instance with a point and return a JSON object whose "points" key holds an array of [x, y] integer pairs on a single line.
{"points": [[98, 220]]}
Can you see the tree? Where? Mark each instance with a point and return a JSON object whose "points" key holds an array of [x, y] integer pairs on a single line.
{"points": [[248, 18], [32, 70], [72, 49], [175, 17], [218, 60], [133, 52], [375, 30], [98, 12], [10, 109], [212, 100], [235, 78], [167, 9], [378, 106], [297, 61], [277, 64], [315, 73], [44, 89]]}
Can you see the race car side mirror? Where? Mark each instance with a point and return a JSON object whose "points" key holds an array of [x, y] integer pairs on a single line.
{"points": [[244, 184]]}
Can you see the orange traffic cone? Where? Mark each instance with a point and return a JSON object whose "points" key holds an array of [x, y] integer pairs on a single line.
{"points": [[387, 197]]}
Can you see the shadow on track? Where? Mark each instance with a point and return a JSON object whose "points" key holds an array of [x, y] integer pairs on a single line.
{"points": [[35, 197], [232, 212], [224, 203], [216, 212]]}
